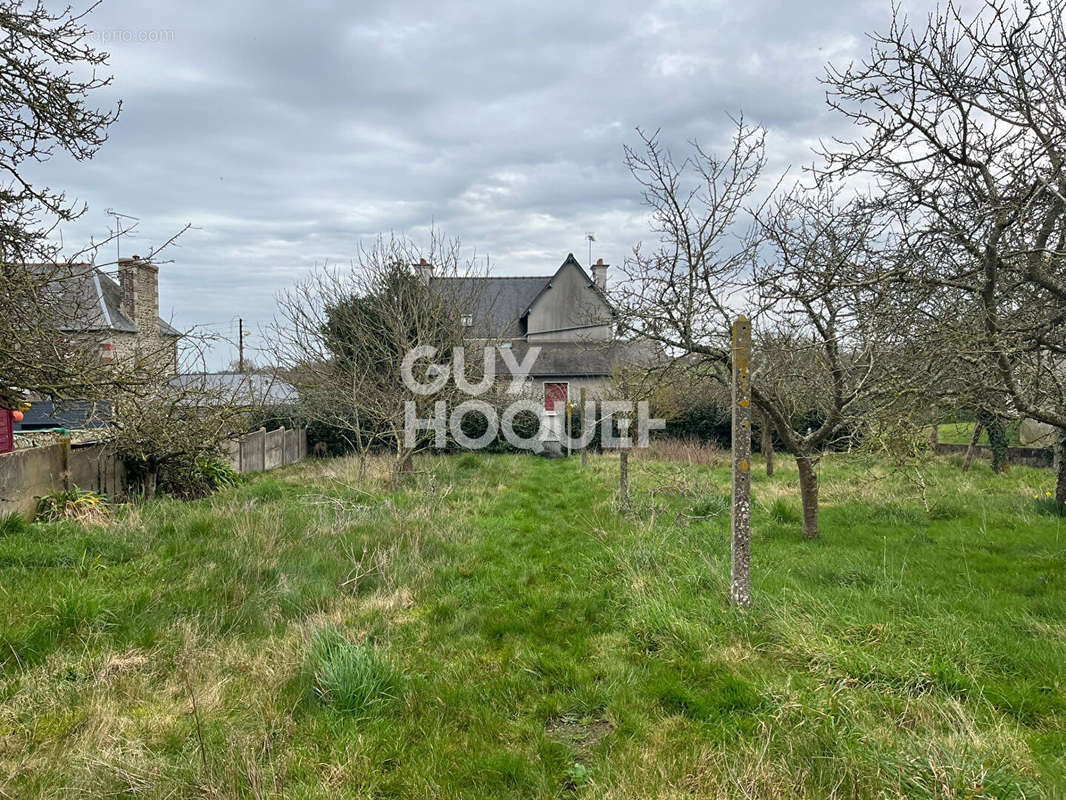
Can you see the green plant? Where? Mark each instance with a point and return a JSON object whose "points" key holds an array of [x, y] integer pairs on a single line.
{"points": [[577, 775], [73, 503], [198, 479], [1047, 504], [350, 676], [11, 524]]}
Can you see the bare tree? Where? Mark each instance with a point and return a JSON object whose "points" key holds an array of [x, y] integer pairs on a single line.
{"points": [[802, 269], [49, 74], [342, 336], [962, 126], [176, 420]]}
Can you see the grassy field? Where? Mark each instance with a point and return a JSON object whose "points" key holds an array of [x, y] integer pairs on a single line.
{"points": [[505, 629], [962, 433]]}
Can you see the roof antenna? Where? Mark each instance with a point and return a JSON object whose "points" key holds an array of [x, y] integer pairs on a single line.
{"points": [[118, 229], [591, 237]]}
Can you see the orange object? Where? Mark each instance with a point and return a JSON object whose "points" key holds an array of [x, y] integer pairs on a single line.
{"points": [[16, 416]]}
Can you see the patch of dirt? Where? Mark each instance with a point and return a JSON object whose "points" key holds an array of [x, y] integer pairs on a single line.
{"points": [[119, 664], [580, 733]]}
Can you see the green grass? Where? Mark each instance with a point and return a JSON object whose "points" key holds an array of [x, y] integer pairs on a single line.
{"points": [[962, 433], [505, 628]]}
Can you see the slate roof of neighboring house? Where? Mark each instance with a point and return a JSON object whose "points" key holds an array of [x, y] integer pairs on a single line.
{"points": [[499, 304], [91, 300], [70, 414], [253, 388], [580, 359]]}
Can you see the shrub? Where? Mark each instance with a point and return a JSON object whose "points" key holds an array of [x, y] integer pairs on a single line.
{"points": [[11, 524], [202, 477], [350, 676], [73, 503]]}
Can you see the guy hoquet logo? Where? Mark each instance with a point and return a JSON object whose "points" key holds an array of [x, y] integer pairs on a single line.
{"points": [[612, 413]]}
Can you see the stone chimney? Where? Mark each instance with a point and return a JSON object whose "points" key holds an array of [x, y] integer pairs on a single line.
{"points": [[424, 269], [139, 281], [599, 274]]}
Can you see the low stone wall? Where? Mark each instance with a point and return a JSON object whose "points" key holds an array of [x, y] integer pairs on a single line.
{"points": [[1022, 456]]}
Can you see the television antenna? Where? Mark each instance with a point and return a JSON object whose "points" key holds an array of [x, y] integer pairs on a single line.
{"points": [[591, 238], [118, 229]]}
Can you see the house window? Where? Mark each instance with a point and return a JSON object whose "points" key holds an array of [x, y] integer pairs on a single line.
{"points": [[468, 320]]}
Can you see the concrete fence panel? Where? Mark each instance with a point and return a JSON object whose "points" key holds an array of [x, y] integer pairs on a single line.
{"points": [[28, 473]]}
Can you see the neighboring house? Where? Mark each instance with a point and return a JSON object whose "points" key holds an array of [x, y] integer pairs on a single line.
{"points": [[120, 318], [565, 314]]}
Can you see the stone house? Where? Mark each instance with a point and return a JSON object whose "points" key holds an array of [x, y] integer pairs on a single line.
{"points": [[118, 318], [566, 314]]}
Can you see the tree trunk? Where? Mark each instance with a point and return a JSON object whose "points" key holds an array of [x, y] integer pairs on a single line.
{"points": [[404, 468], [997, 443], [767, 446], [808, 495], [977, 428], [623, 473], [934, 437], [150, 480]]}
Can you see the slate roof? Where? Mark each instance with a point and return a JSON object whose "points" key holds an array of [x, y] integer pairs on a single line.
{"points": [[90, 300], [70, 414], [580, 359], [239, 387], [498, 305]]}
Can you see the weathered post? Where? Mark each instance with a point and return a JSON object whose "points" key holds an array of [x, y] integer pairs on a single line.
{"points": [[740, 589], [584, 429]]}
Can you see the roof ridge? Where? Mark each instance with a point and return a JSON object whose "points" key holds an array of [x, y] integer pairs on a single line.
{"points": [[492, 277]]}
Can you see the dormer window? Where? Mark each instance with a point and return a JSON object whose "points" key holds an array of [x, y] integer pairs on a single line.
{"points": [[468, 320]]}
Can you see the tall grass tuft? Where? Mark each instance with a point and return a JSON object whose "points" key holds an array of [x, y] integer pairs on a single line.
{"points": [[350, 676], [74, 503]]}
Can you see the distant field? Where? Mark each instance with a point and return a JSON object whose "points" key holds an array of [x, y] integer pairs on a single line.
{"points": [[962, 433], [504, 630]]}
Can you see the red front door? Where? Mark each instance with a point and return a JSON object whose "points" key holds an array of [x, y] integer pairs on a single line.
{"points": [[555, 396]]}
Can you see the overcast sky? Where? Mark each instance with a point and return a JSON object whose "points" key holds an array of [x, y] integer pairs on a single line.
{"points": [[286, 135]]}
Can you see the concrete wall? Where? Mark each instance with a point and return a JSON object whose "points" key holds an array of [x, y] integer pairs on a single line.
{"points": [[1022, 456], [28, 473]]}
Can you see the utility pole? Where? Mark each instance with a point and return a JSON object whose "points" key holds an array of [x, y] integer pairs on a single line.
{"points": [[240, 345]]}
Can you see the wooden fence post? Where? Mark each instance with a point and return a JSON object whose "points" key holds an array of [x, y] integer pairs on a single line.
{"points": [[740, 588]]}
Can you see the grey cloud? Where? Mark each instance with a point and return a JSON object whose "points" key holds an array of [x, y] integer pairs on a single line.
{"points": [[288, 133]]}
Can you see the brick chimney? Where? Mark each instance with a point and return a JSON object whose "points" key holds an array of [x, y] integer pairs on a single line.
{"points": [[424, 269], [599, 274], [139, 281]]}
